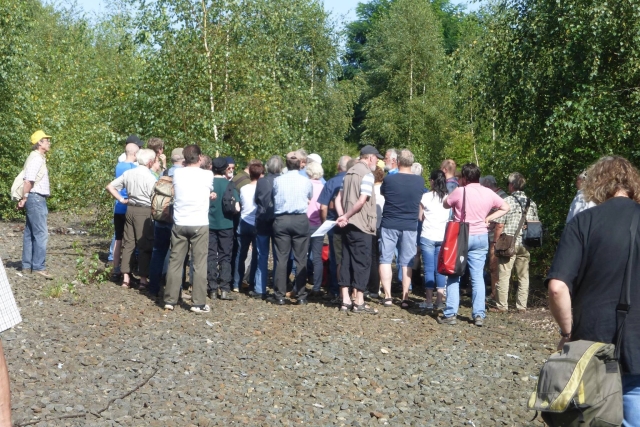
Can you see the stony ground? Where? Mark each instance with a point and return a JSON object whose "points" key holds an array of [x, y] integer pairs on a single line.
{"points": [[108, 356]]}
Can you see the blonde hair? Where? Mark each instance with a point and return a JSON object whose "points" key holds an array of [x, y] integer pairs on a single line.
{"points": [[608, 176]]}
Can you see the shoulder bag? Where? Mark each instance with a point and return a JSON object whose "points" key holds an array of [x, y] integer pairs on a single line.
{"points": [[452, 259], [581, 385], [506, 245]]}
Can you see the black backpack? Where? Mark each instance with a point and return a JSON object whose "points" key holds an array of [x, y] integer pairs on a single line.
{"points": [[229, 201]]}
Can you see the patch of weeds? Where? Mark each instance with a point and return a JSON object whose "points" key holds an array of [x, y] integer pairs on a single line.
{"points": [[55, 290], [89, 270]]}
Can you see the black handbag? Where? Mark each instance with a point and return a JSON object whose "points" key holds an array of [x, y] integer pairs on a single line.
{"points": [[532, 231]]}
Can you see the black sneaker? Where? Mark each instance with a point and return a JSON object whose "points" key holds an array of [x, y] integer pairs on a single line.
{"points": [[256, 295]]}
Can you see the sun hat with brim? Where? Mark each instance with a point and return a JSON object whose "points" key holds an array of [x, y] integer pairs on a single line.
{"points": [[37, 136]]}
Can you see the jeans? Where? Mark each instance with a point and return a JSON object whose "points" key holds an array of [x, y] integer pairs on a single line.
{"points": [[36, 234], [111, 246], [631, 400], [262, 270], [161, 242], [430, 251], [478, 248], [246, 236]]}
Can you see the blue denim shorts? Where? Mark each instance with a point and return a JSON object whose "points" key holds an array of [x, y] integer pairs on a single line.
{"points": [[404, 240]]}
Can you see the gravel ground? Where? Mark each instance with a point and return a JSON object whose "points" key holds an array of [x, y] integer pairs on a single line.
{"points": [[110, 356]]}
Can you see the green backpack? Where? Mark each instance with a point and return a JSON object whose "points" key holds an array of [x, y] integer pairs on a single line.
{"points": [[581, 385]]}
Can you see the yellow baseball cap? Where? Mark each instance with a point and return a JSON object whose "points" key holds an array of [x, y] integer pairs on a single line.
{"points": [[37, 136], [381, 164]]}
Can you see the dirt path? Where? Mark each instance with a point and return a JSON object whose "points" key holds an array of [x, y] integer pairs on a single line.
{"points": [[252, 363]]}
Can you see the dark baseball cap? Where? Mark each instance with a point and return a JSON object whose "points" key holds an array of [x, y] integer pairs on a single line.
{"points": [[133, 139], [220, 163], [370, 149]]}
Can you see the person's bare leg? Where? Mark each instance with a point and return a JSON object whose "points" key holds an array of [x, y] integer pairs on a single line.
{"points": [[346, 300], [385, 278], [440, 296], [117, 251], [125, 279], [5, 392], [359, 298], [407, 272]]}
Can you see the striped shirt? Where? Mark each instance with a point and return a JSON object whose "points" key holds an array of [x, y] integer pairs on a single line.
{"points": [[291, 193], [366, 186], [36, 161], [9, 313]]}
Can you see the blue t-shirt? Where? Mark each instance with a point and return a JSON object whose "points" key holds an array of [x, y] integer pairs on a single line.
{"points": [[121, 168], [452, 184], [329, 193], [402, 195]]}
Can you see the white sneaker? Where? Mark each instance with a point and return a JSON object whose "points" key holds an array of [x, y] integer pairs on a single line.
{"points": [[168, 307], [201, 310]]}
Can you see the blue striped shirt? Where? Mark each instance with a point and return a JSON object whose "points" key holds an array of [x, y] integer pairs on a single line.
{"points": [[291, 193]]}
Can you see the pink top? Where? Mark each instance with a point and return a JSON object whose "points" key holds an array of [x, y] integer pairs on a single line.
{"points": [[313, 211], [480, 201]]}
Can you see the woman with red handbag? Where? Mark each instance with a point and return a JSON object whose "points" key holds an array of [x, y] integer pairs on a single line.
{"points": [[471, 204]]}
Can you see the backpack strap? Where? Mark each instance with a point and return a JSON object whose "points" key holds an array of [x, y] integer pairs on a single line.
{"points": [[525, 210], [624, 305]]}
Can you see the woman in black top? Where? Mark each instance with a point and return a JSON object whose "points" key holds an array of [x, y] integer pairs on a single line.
{"points": [[586, 278]]}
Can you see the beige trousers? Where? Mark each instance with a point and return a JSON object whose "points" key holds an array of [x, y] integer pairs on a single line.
{"points": [[505, 265]]}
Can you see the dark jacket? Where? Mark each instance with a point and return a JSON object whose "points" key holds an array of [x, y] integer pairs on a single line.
{"points": [[264, 205]]}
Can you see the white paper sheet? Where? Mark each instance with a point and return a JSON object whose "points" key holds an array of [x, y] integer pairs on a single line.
{"points": [[324, 228]]}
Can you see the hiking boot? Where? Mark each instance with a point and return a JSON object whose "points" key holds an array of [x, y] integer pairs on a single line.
{"points": [[447, 320]]}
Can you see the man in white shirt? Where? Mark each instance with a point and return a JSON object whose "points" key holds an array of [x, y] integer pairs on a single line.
{"points": [[193, 188]]}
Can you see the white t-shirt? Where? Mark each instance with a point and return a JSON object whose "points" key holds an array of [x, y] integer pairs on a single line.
{"points": [[247, 203], [379, 204], [435, 217], [192, 187]]}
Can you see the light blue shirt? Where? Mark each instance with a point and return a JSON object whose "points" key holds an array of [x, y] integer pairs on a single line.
{"points": [[291, 193]]}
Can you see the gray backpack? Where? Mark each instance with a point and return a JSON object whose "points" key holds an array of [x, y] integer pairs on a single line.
{"points": [[581, 384]]}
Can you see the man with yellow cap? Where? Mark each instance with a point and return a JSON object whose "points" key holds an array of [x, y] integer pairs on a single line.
{"points": [[34, 201]]}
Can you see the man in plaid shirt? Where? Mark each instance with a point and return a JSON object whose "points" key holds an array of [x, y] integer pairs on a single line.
{"points": [[34, 201], [9, 317], [508, 224]]}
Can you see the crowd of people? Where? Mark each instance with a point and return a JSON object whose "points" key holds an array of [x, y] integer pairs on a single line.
{"points": [[225, 226], [221, 227]]}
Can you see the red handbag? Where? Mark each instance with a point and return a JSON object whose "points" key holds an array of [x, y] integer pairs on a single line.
{"points": [[452, 259]]}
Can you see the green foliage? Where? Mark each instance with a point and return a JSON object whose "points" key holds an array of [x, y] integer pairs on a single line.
{"points": [[409, 101], [89, 270]]}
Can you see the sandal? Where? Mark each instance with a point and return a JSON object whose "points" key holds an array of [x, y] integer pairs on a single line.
{"points": [[125, 285], [406, 304], [364, 308], [345, 307], [387, 302]]}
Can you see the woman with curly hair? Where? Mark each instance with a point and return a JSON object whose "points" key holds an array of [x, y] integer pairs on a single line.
{"points": [[586, 278]]}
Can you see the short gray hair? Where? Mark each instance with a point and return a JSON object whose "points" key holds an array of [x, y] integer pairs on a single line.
{"points": [[517, 181], [489, 181], [301, 154], [405, 159], [416, 168], [314, 170], [145, 155], [275, 165], [342, 163], [394, 153]]}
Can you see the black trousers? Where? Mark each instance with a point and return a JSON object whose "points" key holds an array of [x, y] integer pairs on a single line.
{"points": [[356, 258], [291, 232], [219, 260]]}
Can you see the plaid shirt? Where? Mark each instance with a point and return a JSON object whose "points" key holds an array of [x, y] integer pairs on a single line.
{"points": [[517, 202], [9, 314]]}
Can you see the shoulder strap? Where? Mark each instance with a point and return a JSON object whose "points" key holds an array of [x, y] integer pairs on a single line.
{"points": [[624, 305], [523, 217], [463, 216]]}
